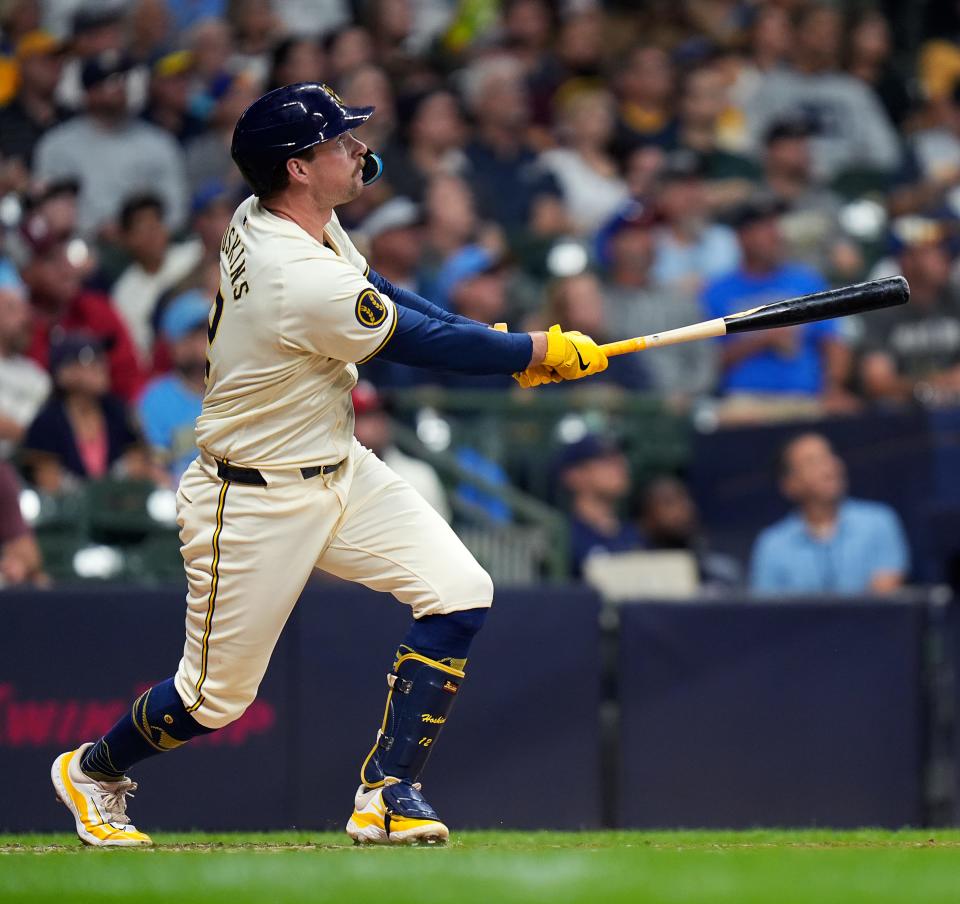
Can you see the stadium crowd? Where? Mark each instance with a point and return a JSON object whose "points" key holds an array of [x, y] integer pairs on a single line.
{"points": [[618, 167]]}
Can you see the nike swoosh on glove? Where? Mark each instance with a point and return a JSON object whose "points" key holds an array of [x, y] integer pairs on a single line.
{"points": [[572, 355]]}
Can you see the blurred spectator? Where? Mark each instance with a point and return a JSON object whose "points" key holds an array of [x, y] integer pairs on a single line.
{"points": [[808, 360], [52, 268], [471, 283], [638, 307], [690, 248], [313, 17], [705, 100], [913, 350], [811, 221], [156, 265], [669, 519], [647, 96], [432, 140], [348, 50], [212, 209], [853, 129], [95, 29], [255, 30], [149, 25], [510, 187], [168, 106], [121, 155], [769, 42], [371, 86], [56, 204], [576, 303], [595, 474], [170, 404], [188, 13], [587, 174], [33, 109], [390, 23], [870, 59], [296, 59], [831, 543], [374, 430], [20, 561], [211, 44], [451, 218], [581, 47], [82, 431], [23, 385], [208, 155], [929, 180], [393, 234]]}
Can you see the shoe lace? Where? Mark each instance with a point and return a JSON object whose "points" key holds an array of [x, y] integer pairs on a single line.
{"points": [[114, 801]]}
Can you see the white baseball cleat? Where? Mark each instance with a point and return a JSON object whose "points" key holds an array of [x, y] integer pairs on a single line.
{"points": [[99, 808], [395, 813]]}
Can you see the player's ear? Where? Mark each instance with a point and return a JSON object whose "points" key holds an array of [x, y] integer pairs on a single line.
{"points": [[296, 169]]}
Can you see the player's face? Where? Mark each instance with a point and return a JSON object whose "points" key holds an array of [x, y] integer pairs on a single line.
{"points": [[336, 171]]}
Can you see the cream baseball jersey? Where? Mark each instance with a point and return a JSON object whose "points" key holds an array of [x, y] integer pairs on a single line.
{"points": [[291, 320]]}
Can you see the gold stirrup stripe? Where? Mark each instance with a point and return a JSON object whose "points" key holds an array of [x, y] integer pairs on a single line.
{"points": [[212, 599]]}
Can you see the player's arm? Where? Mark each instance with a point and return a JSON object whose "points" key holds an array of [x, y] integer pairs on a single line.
{"points": [[407, 299], [350, 321], [422, 341]]}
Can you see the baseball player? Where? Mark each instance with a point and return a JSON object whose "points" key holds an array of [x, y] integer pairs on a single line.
{"points": [[281, 486]]}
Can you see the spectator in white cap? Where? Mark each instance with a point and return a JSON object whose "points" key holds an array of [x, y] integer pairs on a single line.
{"points": [[171, 404], [394, 235]]}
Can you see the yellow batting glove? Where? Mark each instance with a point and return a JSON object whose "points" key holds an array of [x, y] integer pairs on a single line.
{"points": [[536, 374], [572, 355]]}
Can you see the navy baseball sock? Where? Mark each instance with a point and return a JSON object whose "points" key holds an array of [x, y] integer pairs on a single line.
{"points": [[157, 722], [445, 638]]}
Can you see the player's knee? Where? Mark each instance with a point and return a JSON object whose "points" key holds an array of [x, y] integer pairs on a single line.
{"points": [[220, 708], [471, 589]]}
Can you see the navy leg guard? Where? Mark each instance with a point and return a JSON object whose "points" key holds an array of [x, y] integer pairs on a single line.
{"points": [[423, 686], [157, 722], [422, 693]]}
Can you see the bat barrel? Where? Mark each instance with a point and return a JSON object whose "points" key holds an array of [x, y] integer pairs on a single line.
{"points": [[856, 299]]}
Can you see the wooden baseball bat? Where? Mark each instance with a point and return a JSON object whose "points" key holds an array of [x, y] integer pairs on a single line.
{"points": [[868, 296]]}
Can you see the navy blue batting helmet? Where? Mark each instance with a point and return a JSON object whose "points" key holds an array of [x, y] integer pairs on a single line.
{"points": [[287, 121]]}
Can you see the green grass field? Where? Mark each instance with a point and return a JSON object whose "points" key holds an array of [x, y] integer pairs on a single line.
{"points": [[768, 867]]}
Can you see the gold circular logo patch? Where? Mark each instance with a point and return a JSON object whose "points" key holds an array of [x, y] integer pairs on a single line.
{"points": [[371, 311]]}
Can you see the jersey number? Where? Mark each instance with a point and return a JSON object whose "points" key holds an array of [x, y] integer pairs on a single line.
{"points": [[214, 325]]}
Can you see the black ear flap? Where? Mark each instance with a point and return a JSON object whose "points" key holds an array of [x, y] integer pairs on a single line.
{"points": [[372, 167]]}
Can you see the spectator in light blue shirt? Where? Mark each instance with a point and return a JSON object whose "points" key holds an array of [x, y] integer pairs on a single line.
{"points": [[808, 360], [170, 404], [830, 544]]}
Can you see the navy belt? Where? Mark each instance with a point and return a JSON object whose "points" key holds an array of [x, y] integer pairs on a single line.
{"points": [[252, 477]]}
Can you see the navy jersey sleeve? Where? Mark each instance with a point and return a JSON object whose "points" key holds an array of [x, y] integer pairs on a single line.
{"points": [[423, 341], [408, 299]]}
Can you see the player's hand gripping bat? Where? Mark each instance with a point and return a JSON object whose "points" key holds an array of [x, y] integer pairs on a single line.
{"points": [[868, 296]]}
